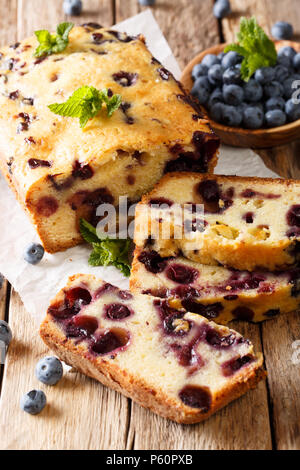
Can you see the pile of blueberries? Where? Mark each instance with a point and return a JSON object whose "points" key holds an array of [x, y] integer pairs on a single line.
{"points": [[266, 100]]}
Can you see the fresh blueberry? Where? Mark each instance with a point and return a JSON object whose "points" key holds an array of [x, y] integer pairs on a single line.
{"points": [[296, 62], [216, 112], [281, 73], [292, 110], [282, 30], [273, 89], [220, 56], [147, 3], [275, 103], [49, 370], [253, 90], [221, 8], [275, 118], [232, 76], [230, 59], [5, 333], [264, 75], [285, 61], [215, 97], [288, 88], [231, 116], [199, 70], [215, 74], [72, 7], [33, 402], [233, 94], [209, 60], [34, 253], [253, 117], [286, 51], [200, 92]]}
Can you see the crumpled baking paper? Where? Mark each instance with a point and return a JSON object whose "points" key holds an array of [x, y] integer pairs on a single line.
{"points": [[38, 284]]}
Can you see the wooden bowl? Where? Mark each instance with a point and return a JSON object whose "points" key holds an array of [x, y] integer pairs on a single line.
{"points": [[237, 136]]}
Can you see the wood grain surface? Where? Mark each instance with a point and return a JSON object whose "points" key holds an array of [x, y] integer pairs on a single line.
{"points": [[81, 414]]}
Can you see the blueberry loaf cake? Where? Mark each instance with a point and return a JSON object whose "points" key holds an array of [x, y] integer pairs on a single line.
{"points": [[178, 364], [215, 292], [244, 223], [61, 172]]}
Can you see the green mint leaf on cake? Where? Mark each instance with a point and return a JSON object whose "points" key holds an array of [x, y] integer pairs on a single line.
{"points": [[85, 103], [53, 43], [107, 251], [255, 47]]}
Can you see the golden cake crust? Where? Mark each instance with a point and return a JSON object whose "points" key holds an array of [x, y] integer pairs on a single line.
{"points": [[130, 385], [146, 124]]}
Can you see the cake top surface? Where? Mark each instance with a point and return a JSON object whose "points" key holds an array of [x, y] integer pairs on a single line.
{"points": [[138, 332], [154, 112]]}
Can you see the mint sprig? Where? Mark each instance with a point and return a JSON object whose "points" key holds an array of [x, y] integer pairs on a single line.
{"points": [[107, 251], [255, 47], [53, 43], [85, 103]]}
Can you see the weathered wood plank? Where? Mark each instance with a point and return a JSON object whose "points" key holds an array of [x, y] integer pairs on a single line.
{"points": [[80, 414], [244, 424], [188, 25], [284, 159], [282, 357]]}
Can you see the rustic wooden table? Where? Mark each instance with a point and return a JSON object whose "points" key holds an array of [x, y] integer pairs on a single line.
{"points": [[81, 413]]}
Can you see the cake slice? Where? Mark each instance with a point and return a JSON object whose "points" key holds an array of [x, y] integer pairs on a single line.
{"points": [[61, 172], [215, 292], [178, 364], [244, 223]]}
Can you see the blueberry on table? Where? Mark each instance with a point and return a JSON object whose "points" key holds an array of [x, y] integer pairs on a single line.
{"points": [[215, 74], [296, 62], [231, 116], [221, 8], [34, 253], [230, 59], [209, 60], [72, 7], [253, 90], [146, 3], [233, 94], [282, 30], [273, 89], [33, 402], [275, 103], [232, 76], [5, 333], [253, 117], [49, 370], [199, 70], [292, 110], [264, 75]]}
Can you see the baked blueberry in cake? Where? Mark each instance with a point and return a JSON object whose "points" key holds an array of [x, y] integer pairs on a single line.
{"points": [[60, 171], [215, 292], [180, 365], [244, 223]]}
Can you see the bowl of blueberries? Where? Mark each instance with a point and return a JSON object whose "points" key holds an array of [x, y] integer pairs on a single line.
{"points": [[250, 90]]}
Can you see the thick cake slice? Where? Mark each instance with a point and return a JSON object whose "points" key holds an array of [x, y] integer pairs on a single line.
{"points": [[215, 292], [180, 365], [245, 223], [61, 172]]}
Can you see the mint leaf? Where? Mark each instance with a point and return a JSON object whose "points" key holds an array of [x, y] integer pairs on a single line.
{"points": [[53, 43], [107, 251], [255, 47], [85, 103]]}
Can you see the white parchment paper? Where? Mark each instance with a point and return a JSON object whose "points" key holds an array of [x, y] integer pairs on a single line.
{"points": [[38, 284]]}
